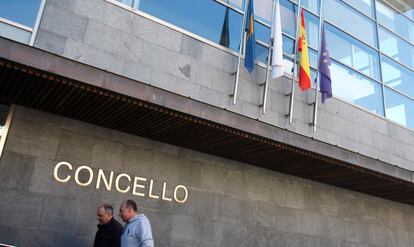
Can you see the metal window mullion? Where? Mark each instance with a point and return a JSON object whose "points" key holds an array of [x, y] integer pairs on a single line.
{"points": [[37, 22], [384, 105]]}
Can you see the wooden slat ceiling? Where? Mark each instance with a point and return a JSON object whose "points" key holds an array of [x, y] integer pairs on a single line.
{"points": [[52, 93]]}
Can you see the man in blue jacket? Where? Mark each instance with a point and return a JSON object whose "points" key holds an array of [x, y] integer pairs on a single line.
{"points": [[137, 231]]}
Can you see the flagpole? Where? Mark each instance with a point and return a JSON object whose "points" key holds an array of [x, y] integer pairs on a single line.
{"points": [[241, 48], [292, 91], [271, 41], [317, 79]]}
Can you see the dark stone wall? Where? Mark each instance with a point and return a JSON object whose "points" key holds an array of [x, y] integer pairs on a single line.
{"points": [[229, 203]]}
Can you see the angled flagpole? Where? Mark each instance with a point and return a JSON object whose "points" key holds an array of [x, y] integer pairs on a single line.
{"points": [[317, 79], [241, 49], [292, 91], [271, 41]]}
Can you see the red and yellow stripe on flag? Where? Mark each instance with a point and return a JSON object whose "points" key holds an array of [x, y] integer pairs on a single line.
{"points": [[304, 70]]}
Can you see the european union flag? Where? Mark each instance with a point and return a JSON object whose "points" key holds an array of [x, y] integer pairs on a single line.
{"points": [[324, 71], [250, 39]]}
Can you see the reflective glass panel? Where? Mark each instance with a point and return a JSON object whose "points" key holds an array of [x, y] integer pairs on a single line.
{"points": [[261, 53], [20, 11], [399, 108], [365, 6], [127, 2], [312, 30], [262, 32], [239, 4], [351, 21], [395, 21], [313, 58], [196, 17], [404, 6], [312, 5], [396, 48], [288, 45], [352, 52], [287, 17], [397, 76], [263, 10], [356, 88]]}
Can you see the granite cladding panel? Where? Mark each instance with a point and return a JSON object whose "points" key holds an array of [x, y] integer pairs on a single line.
{"points": [[229, 203], [112, 38]]}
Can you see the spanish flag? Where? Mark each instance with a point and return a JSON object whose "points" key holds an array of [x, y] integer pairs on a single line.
{"points": [[304, 70]]}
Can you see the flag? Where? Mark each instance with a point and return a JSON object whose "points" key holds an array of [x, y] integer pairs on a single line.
{"points": [[304, 70], [324, 71], [225, 37], [250, 39], [277, 53]]}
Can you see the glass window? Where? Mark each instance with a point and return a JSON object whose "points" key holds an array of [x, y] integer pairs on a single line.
{"points": [[352, 52], [127, 2], [261, 53], [365, 6], [313, 58], [312, 5], [20, 11], [351, 21], [263, 10], [395, 21], [399, 108], [196, 17], [404, 6], [287, 15], [262, 32], [288, 45], [356, 88], [397, 76], [396, 48], [312, 30]]}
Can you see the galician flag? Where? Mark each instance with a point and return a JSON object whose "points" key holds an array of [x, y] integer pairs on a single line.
{"points": [[304, 70], [277, 53]]}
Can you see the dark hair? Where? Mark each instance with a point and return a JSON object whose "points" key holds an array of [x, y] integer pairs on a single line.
{"points": [[131, 204], [108, 209]]}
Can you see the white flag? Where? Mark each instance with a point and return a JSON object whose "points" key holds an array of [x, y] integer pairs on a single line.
{"points": [[277, 53]]}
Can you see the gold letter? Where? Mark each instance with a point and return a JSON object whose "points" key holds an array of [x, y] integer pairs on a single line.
{"points": [[150, 191], [117, 182], [136, 185], [102, 174], [163, 192], [58, 165], [185, 192], [90, 175]]}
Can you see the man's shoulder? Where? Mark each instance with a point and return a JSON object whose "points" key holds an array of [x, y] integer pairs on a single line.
{"points": [[116, 225]]}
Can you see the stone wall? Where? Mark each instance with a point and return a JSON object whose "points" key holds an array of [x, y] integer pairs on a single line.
{"points": [[115, 39], [229, 203]]}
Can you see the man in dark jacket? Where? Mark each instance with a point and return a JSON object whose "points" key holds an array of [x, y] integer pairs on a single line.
{"points": [[109, 230]]}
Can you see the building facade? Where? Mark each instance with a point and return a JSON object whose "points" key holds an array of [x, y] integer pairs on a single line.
{"points": [[105, 100]]}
